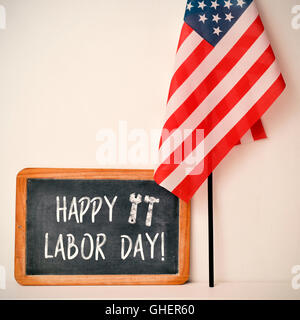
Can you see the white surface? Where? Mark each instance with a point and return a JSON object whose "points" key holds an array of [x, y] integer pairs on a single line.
{"points": [[189, 291], [71, 68]]}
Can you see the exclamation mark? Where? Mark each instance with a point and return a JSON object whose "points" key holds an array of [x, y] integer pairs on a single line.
{"points": [[162, 246]]}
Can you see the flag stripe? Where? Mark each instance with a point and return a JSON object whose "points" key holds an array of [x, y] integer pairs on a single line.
{"points": [[189, 66], [215, 114], [186, 189], [224, 87], [188, 46], [216, 75], [258, 131], [227, 123], [185, 32], [212, 60]]}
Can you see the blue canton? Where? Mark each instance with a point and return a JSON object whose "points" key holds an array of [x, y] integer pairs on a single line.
{"points": [[212, 19]]}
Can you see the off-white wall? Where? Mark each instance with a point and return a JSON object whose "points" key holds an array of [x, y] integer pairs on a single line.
{"points": [[71, 67]]}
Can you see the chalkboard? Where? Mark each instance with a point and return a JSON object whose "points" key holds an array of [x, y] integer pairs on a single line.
{"points": [[99, 227]]}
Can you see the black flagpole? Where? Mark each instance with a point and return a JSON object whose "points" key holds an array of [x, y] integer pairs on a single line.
{"points": [[211, 231]]}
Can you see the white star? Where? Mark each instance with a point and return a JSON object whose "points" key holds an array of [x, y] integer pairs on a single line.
{"points": [[217, 31], [202, 18], [216, 18], [241, 3], [228, 4], [229, 16], [189, 6], [202, 5], [214, 4]]}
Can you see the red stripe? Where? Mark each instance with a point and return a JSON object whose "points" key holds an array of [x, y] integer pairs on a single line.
{"points": [[186, 189], [189, 66], [216, 76], [185, 32], [258, 131], [222, 109]]}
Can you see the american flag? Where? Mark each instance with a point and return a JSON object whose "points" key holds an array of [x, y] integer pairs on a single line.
{"points": [[225, 78]]}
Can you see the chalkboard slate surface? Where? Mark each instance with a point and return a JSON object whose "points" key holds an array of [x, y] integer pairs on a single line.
{"points": [[78, 226], [41, 220]]}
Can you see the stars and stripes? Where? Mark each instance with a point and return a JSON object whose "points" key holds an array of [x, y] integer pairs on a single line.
{"points": [[225, 78], [219, 14]]}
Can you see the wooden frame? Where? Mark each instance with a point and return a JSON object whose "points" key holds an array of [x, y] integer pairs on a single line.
{"points": [[65, 280]]}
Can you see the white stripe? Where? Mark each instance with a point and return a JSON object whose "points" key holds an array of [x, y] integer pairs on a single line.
{"points": [[223, 127], [216, 96], [247, 138], [187, 47], [212, 60]]}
